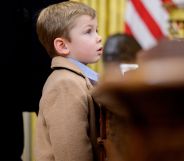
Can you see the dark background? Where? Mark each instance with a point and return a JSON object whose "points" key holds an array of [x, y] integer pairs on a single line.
{"points": [[24, 67]]}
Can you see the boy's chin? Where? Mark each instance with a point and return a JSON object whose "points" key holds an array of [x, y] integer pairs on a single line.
{"points": [[95, 61], [91, 62]]}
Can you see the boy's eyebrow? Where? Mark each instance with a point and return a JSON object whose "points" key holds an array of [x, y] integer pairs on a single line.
{"points": [[89, 25]]}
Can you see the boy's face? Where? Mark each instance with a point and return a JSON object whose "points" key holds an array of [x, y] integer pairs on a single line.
{"points": [[86, 44]]}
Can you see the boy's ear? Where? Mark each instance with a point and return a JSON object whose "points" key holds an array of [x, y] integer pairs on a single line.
{"points": [[61, 47]]}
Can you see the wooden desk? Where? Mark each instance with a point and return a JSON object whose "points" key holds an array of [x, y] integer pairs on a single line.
{"points": [[143, 111]]}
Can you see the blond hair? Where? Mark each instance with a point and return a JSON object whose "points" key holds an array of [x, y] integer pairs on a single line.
{"points": [[57, 20]]}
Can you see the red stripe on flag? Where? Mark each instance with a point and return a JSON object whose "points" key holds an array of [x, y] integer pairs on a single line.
{"points": [[128, 29], [148, 19], [169, 2]]}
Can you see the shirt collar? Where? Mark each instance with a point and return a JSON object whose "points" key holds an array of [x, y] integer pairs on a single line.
{"points": [[88, 72]]}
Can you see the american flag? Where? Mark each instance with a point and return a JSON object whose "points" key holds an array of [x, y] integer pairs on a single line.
{"points": [[148, 20]]}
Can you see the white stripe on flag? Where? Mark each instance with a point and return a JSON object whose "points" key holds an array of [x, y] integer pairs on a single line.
{"points": [[147, 20], [160, 15], [179, 3], [138, 27]]}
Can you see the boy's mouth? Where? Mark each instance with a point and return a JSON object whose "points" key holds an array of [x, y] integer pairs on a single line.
{"points": [[100, 49]]}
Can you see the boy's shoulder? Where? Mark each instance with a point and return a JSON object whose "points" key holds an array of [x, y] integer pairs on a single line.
{"points": [[60, 80]]}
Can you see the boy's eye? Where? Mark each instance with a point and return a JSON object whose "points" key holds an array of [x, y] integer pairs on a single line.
{"points": [[88, 31]]}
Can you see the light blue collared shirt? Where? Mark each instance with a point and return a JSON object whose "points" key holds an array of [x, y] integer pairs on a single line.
{"points": [[88, 72]]}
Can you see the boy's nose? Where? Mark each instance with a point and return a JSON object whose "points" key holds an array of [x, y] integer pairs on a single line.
{"points": [[99, 38]]}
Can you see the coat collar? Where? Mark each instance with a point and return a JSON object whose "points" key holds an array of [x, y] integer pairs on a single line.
{"points": [[61, 62]]}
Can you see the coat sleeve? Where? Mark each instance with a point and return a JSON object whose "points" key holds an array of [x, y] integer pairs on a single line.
{"points": [[63, 127]]}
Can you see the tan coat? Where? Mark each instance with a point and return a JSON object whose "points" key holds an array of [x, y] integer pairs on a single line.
{"points": [[65, 129]]}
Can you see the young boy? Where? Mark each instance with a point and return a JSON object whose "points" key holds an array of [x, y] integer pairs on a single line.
{"points": [[66, 120]]}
